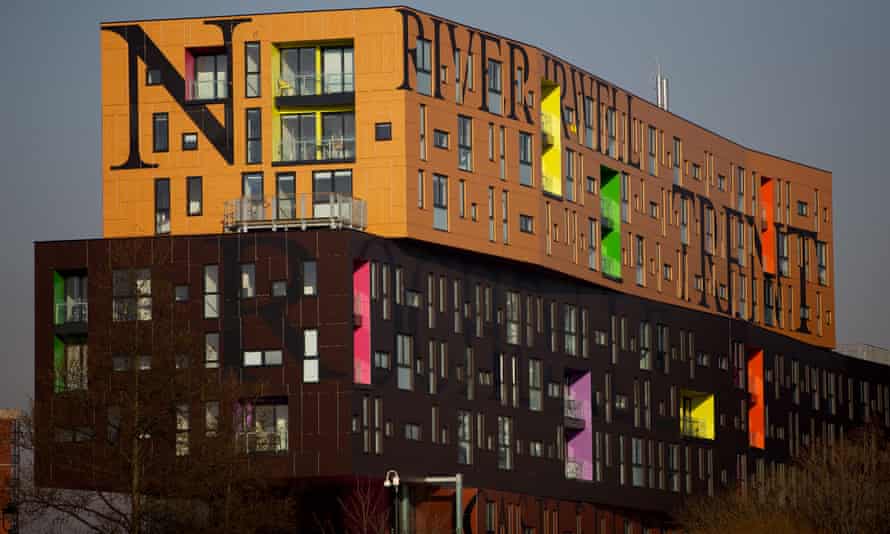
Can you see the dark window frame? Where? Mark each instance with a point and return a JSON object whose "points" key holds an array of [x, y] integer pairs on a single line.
{"points": [[154, 131], [186, 148], [248, 73], [188, 196], [441, 134], [248, 139], [383, 131], [148, 81], [157, 210], [244, 176]]}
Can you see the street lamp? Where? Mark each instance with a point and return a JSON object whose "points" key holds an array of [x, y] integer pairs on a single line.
{"points": [[391, 480]]}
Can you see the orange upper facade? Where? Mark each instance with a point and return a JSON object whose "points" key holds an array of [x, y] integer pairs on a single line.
{"points": [[409, 125]]}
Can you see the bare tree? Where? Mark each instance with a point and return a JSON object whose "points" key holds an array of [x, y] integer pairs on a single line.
{"points": [[145, 429], [839, 488]]}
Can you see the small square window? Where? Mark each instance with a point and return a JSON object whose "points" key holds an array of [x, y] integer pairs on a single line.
{"points": [[440, 139], [383, 131], [190, 141], [182, 293], [279, 288], [153, 77], [145, 363], [182, 361]]}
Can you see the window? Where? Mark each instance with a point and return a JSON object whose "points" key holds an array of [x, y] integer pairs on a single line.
{"points": [[383, 131], [382, 360], [131, 295], [160, 132], [505, 443], [721, 182], [279, 288], [211, 350], [440, 202], [194, 194], [612, 146], [162, 206], [153, 77], [592, 236], [526, 224], [525, 159], [462, 199], [423, 67], [211, 291], [211, 418], [255, 358], [71, 372], [252, 191], [263, 427], [570, 175], [210, 77], [298, 141], [338, 136], [639, 252], [181, 293], [535, 385], [625, 198], [802, 208], [297, 72], [310, 280], [652, 147], [570, 316], [512, 309], [710, 224], [822, 259], [337, 70], [190, 141], [420, 190], [329, 188], [505, 216], [696, 172], [412, 432], [285, 194], [310, 356], [254, 136], [404, 359], [182, 429], [495, 93], [252, 69], [440, 139], [645, 345], [464, 438], [422, 122], [248, 280], [588, 121], [782, 242], [464, 143], [676, 160], [638, 472]]}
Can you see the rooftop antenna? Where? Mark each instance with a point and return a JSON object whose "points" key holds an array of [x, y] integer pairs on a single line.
{"points": [[661, 87]]}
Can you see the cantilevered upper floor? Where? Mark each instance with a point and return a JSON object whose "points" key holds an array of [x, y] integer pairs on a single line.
{"points": [[405, 124]]}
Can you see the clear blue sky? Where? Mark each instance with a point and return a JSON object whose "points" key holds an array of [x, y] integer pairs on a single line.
{"points": [[800, 79]]}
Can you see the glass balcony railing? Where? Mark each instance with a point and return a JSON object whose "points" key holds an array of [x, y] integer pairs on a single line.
{"points": [[207, 89], [330, 149], [548, 130], [312, 84], [302, 210], [609, 209], [690, 426], [611, 266], [250, 442], [71, 311], [575, 409]]}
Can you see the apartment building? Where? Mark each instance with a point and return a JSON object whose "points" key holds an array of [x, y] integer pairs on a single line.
{"points": [[446, 251]]}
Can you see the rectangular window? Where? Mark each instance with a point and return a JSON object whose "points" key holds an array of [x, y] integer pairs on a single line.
{"points": [[420, 189], [464, 438], [495, 92], [822, 259], [182, 429], [570, 317], [195, 195], [535, 385], [802, 208], [337, 70], [525, 159], [404, 359], [502, 145], [422, 122], [505, 216], [248, 280], [131, 295], [462, 200], [423, 65], [310, 356], [611, 134], [440, 202], [512, 317], [652, 148], [190, 141], [592, 238], [310, 277], [211, 350], [255, 358], [252, 69], [645, 346], [639, 253], [338, 136], [440, 139], [782, 243], [505, 443], [464, 143], [162, 206], [526, 224], [298, 142], [263, 427], [211, 291], [638, 472], [254, 151], [210, 77], [160, 132], [588, 121], [570, 174], [677, 160]]}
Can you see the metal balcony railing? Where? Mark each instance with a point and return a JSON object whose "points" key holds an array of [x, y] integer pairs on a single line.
{"points": [[251, 442], [311, 84], [72, 311], [690, 426], [330, 149], [307, 210]]}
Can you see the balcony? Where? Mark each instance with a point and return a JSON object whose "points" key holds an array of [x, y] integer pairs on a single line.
{"points": [[207, 90], [578, 469], [301, 211], [575, 413], [692, 427], [610, 212], [611, 266], [71, 312], [328, 89], [251, 442], [548, 130], [331, 149]]}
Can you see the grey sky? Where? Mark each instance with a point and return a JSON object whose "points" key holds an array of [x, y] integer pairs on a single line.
{"points": [[803, 79]]}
